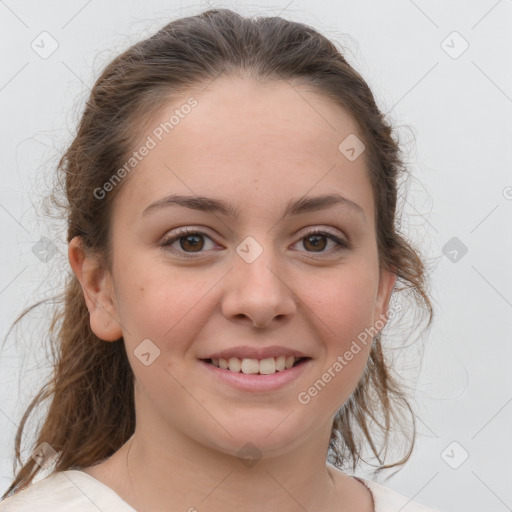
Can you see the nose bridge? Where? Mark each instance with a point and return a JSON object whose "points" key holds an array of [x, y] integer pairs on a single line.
{"points": [[256, 290], [256, 265]]}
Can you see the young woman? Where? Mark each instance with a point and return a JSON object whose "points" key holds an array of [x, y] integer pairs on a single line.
{"points": [[231, 199]]}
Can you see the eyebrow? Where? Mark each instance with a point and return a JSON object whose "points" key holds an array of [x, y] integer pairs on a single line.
{"points": [[294, 207]]}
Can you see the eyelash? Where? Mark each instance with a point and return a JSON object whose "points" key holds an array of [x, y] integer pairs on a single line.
{"points": [[183, 233]]}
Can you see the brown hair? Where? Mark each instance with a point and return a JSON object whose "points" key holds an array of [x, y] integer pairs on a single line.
{"points": [[92, 414]]}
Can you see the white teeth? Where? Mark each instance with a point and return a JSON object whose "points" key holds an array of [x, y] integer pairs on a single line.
{"points": [[267, 366], [251, 366], [235, 364]]}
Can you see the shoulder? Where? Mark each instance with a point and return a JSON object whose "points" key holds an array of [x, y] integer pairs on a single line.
{"points": [[388, 500], [63, 491]]}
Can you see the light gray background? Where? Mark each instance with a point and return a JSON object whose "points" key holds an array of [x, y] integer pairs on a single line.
{"points": [[455, 114]]}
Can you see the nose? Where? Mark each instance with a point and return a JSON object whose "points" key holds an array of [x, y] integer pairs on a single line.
{"points": [[258, 292]]}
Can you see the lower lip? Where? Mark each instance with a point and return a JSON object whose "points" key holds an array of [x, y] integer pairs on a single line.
{"points": [[257, 382]]}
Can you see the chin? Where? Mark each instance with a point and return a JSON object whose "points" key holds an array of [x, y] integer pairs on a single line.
{"points": [[254, 439]]}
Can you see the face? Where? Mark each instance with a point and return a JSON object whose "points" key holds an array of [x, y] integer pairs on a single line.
{"points": [[267, 274]]}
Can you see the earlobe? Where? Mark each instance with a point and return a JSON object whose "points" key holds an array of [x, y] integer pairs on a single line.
{"points": [[96, 283]]}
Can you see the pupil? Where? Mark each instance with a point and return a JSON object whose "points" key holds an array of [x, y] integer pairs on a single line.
{"points": [[193, 245], [316, 241]]}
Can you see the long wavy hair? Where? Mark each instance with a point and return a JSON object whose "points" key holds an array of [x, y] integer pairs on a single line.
{"points": [[91, 410]]}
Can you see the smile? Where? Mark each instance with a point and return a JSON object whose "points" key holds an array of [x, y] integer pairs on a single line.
{"points": [[248, 374], [265, 366]]}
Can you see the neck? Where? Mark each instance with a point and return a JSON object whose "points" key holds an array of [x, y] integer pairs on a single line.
{"points": [[159, 469], [197, 478], [190, 477]]}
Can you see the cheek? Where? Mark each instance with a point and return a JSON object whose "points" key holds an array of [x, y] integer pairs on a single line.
{"points": [[159, 302], [345, 316], [344, 302]]}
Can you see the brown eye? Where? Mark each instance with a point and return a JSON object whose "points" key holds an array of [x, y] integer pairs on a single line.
{"points": [[316, 243], [188, 243], [191, 242]]}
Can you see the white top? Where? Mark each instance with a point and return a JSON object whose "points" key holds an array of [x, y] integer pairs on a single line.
{"points": [[74, 490]]}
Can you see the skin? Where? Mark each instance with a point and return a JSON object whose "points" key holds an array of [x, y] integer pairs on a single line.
{"points": [[241, 144]]}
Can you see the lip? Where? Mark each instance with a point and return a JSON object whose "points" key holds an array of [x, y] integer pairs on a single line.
{"points": [[257, 382], [247, 352]]}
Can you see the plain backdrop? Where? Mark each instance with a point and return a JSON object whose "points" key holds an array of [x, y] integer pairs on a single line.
{"points": [[440, 70]]}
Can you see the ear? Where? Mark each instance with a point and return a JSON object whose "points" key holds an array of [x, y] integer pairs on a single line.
{"points": [[97, 287], [387, 282]]}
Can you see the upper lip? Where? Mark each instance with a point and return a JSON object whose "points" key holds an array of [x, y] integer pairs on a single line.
{"points": [[247, 352]]}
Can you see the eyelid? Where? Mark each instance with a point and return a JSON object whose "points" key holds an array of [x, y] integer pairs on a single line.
{"points": [[178, 233], [309, 231], [342, 242]]}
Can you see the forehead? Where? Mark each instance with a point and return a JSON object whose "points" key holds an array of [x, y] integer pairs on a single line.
{"points": [[266, 140], [240, 107]]}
